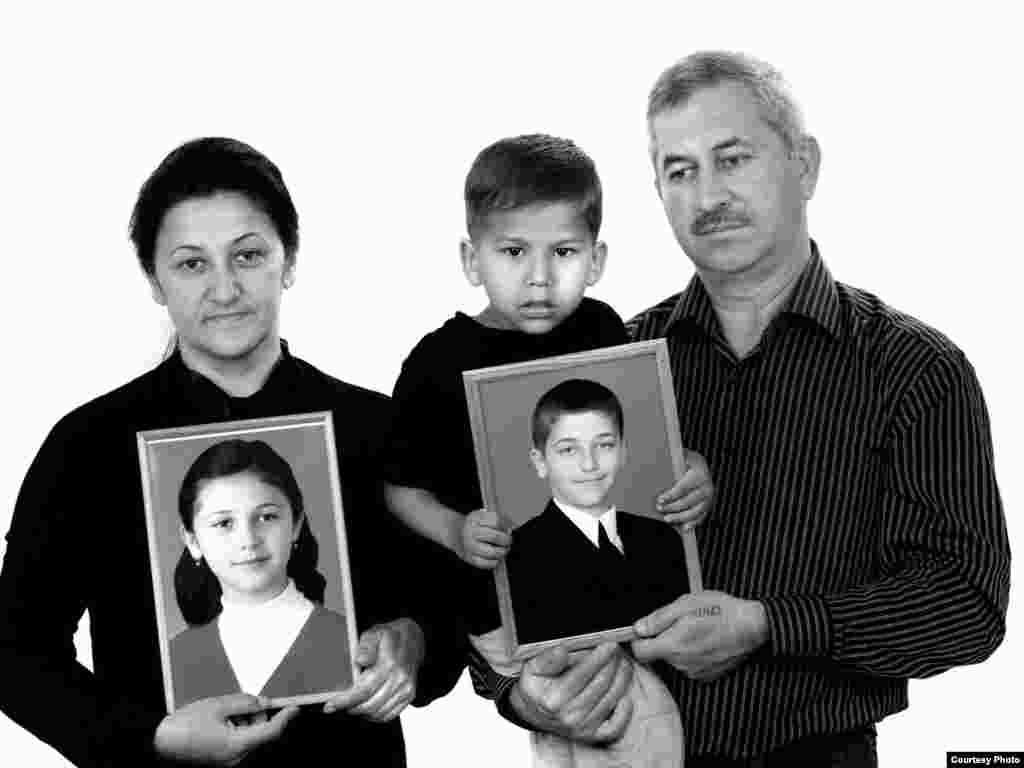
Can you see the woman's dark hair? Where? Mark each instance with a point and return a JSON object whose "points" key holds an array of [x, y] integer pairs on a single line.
{"points": [[201, 168], [195, 585]]}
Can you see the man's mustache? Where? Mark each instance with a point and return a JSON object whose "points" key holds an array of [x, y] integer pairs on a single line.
{"points": [[718, 218]]}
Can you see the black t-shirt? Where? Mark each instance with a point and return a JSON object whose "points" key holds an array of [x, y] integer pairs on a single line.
{"points": [[431, 445]]}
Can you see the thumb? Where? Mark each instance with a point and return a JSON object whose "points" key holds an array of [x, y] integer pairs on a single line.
{"points": [[368, 648], [249, 738], [548, 664], [239, 704], [657, 622]]}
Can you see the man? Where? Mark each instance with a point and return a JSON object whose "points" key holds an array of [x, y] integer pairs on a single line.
{"points": [[858, 537]]}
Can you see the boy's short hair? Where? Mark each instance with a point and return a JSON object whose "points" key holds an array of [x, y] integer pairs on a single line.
{"points": [[573, 396], [205, 167], [532, 168]]}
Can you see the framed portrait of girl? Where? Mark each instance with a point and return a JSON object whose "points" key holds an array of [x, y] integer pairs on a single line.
{"points": [[249, 559]]}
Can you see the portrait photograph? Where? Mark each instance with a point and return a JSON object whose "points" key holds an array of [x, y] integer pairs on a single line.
{"points": [[572, 452], [249, 559]]}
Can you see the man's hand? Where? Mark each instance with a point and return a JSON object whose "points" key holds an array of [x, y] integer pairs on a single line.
{"points": [[210, 731], [389, 657], [688, 502], [582, 700], [481, 542], [704, 634]]}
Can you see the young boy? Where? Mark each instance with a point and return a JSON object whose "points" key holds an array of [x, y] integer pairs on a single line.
{"points": [[533, 213], [581, 565]]}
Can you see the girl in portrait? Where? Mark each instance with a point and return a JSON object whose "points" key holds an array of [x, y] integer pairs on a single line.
{"points": [[247, 583]]}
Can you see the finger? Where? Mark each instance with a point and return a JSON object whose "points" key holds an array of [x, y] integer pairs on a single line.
{"points": [[657, 622], [593, 674], [652, 649], [364, 688], [390, 688], [686, 499], [691, 516], [597, 713], [488, 551], [247, 739], [614, 727], [493, 536], [238, 704], [369, 647], [548, 664]]}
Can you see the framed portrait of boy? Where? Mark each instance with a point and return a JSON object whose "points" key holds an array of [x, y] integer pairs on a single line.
{"points": [[572, 452], [249, 559]]}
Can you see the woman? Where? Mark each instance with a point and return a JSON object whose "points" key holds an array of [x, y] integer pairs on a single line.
{"points": [[216, 234], [247, 583]]}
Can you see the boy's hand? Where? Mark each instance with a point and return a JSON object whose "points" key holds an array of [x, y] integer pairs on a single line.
{"points": [[688, 502], [482, 543]]}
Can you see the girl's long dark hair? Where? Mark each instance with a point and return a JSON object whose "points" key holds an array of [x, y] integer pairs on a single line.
{"points": [[195, 585]]}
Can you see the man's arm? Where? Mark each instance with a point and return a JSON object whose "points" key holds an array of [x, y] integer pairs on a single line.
{"points": [[940, 597]]}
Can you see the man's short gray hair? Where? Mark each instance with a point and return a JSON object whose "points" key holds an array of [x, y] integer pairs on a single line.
{"points": [[706, 69]]}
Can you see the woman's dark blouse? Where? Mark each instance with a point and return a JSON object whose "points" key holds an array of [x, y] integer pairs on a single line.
{"points": [[78, 542]]}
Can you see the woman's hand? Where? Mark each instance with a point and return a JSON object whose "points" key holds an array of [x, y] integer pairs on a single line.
{"points": [[389, 656], [219, 731]]}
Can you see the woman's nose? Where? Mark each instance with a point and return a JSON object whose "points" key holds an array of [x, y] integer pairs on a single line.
{"points": [[224, 287]]}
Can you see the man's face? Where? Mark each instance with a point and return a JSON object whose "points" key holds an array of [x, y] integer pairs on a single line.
{"points": [[733, 191], [581, 458]]}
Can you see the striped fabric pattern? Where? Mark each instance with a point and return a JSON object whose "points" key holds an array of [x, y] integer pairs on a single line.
{"points": [[852, 458], [856, 499]]}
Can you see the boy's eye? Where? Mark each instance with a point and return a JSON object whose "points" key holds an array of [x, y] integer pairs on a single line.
{"points": [[567, 450], [564, 251], [682, 173], [250, 257], [512, 250]]}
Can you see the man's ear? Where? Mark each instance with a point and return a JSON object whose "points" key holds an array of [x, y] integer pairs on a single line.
{"points": [[470, 262], [539, 463], [596, 268], [154, 286], [808, 156]]}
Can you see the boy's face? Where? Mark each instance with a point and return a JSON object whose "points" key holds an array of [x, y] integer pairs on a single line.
{"points": [[534, 262], [582, 455]]}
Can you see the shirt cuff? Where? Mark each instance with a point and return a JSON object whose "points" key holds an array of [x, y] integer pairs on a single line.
{"points": [[798, 625]]}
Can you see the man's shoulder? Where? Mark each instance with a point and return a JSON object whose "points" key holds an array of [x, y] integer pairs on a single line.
{"points": [[895, 335], [651, 322]]}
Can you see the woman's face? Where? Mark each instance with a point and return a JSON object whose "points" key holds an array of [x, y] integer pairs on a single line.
{"points": [[244, 528], [219, 268]]}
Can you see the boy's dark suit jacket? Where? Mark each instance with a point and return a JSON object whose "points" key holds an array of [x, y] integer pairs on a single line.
{"points": [[561, 586]]}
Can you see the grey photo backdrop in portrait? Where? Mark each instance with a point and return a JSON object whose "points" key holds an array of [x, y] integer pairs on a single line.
{"points": [[306, 442], [501, 401]]}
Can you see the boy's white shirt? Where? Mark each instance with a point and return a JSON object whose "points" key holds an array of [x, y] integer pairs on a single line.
{"points": [[256, 637], [587, 523]]}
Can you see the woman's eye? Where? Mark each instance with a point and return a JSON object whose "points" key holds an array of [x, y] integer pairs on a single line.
{"points": [[682, 173], [250, 258], [223, 524], [192, 265]]}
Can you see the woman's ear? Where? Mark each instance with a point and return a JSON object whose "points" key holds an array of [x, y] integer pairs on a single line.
{"points": [[154, 286], [191, 543], [300, 520]]}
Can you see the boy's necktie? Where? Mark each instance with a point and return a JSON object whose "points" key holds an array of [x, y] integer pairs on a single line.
{"points": [[609, 552]]}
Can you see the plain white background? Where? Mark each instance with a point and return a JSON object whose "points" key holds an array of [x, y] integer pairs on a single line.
{"points": [[374, 117]]}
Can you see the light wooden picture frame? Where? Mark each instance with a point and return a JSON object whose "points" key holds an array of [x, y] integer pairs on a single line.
{"points": [[320, 661], [501, 400]]}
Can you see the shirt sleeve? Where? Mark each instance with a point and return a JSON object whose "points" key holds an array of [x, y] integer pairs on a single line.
{"points": [[939, 597], [45, 689]]}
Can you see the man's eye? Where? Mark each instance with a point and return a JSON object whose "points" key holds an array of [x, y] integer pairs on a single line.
{"points": [[731, 162]]}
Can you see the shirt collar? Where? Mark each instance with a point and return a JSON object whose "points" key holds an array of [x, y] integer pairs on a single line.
{"points": [[588, 524], [814, 296]]}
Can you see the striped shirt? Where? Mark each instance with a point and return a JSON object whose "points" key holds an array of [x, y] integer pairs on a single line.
{"points": [[856, 499]]}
